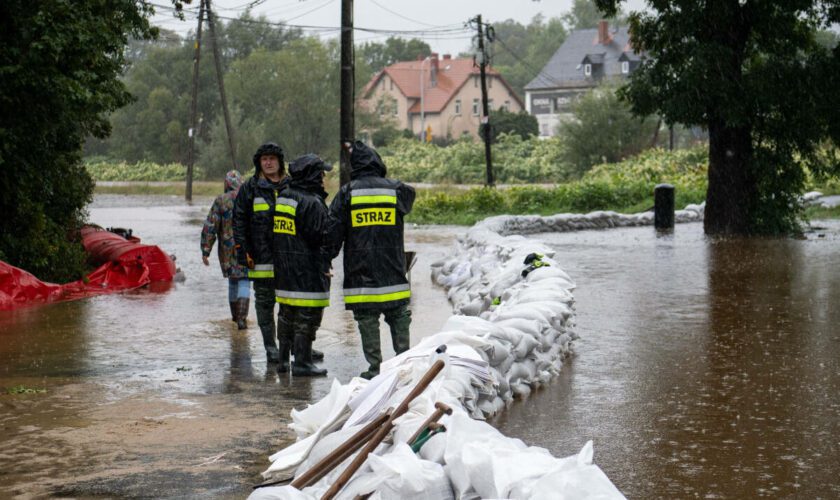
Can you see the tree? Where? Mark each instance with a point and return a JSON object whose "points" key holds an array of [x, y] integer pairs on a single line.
{"points": [[753, 74], [521, 124], [603, 130], [59, 78], [373, 57], [585, 14]]}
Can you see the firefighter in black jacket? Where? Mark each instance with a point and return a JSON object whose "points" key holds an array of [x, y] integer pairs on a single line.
{"points": [[252, 223], [367, 217], [301, 262]]}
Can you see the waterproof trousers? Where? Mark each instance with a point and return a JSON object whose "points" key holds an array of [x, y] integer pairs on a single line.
{"points": [[398, 319], [264, 304], [296, 329]]}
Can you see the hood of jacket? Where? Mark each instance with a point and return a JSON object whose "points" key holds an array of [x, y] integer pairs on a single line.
{"points": [[305, 173], [365, 161], [233, 180]]}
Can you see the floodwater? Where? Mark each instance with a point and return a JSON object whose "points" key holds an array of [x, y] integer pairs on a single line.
{"points": [[704, 370], [154, 393]]}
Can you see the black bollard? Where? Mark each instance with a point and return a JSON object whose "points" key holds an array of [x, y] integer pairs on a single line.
{"points": [[663, 206]]}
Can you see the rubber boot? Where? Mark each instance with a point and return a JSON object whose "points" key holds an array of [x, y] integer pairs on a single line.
{"points": [[369, 329], [242, 307], [285, 349], [317, 356], [303, 366], [234, 311]]}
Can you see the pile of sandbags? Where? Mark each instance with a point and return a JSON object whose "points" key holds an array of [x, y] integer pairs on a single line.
{"points": [[511, 331]]}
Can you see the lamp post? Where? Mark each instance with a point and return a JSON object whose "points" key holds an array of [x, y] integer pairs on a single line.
{"points": [[422, 102]]}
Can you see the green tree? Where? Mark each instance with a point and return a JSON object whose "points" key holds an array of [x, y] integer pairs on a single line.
{"points": [[603, 130], [59, 78], [373, 57], [521, 124], [586, 14], [289, 95], [753, 74]]}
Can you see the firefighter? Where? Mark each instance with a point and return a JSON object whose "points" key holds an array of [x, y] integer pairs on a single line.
{"points": [[301, 262], [252, 231], [367, 217]]}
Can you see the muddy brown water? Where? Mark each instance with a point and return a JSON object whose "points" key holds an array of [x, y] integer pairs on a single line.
{"points": [[704, 370]]}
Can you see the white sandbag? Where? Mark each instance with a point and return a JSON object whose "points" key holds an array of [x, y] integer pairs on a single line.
{"points": [[280, 493], [401, 475], [520, 325]]}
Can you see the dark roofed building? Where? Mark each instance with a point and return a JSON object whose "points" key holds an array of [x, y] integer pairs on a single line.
{"points": [[585, 59]]}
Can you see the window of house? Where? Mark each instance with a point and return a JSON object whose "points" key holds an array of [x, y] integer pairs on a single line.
{"points": [[489, 103], [625, 67], [396, 108], [457, 106], [507, 106], [475, 81], [475, 107], [587, 69], [391, 83], [490, 82]]}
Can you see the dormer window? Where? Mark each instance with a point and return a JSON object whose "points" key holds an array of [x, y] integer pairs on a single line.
{"points": [[625, 67], [587, 70]]}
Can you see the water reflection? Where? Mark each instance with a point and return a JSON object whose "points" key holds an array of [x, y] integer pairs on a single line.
{"points": [[705, 368]]}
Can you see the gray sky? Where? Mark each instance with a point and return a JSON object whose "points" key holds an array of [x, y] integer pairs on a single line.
{"points": [[444, 16]]}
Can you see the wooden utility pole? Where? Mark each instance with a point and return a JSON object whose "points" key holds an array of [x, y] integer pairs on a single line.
{"points": [[220, 77], [347, 129], [485, 115], [194, 109]]}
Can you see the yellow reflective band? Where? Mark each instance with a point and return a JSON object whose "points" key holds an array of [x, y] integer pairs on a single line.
{"points": [[285, 209], [284, 225], [260, 207], [385, 297], [373, 217], [358, 200], [303, 302], [260, 274]]}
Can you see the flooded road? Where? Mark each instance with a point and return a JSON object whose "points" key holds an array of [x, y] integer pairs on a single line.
{"points": [[704, 370], [154, 393]]}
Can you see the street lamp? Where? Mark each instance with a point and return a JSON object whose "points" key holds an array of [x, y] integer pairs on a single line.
{"points": [[422, 102]]}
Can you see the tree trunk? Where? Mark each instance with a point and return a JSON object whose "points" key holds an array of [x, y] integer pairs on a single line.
{"points": [[732, 186]]}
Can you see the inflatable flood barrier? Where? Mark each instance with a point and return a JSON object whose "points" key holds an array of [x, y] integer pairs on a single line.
{"points": [[124, 264]]}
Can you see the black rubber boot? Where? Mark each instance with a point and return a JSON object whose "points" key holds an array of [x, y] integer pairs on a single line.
{"points": [[303, 366], [242, 307], [317, 355], [285, 348], [234, 311]]}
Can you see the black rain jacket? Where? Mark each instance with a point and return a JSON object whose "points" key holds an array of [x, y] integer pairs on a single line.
{"points": [[300, 232], [367, 217], [253, 220]]}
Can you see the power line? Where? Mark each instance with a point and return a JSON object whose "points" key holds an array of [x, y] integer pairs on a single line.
{"points": [[374, 2], [525, 63]]}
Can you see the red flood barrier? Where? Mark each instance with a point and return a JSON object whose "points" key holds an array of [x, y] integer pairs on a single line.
{"points": [[124, 264]]}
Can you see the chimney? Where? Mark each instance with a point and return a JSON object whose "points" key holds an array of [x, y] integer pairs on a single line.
{"points": [[603, 32], [433, 64], [447, 57]]}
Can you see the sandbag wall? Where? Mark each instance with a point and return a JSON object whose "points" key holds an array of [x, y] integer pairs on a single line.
{"points": [[512, 329]]}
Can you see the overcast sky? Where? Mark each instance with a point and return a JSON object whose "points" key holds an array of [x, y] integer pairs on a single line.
{"points": [[444, 16]]}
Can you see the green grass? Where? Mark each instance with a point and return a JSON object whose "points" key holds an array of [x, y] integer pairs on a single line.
{"points": [[817, 212], [202, 188], [22, 389]]}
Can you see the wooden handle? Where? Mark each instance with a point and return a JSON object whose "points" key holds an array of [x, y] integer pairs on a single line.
{"points": [[383, 431]]}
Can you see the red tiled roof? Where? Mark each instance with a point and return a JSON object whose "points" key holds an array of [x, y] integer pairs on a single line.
{"points": [[451, 76]]}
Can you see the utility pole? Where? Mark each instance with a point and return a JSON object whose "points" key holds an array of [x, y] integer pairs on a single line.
{"points": [[194, 109], [220, 77], [485, 116], [347, 133]]}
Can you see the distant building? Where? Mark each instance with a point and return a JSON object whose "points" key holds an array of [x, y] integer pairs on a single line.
{"points": [[450, 90], [585, 59]]}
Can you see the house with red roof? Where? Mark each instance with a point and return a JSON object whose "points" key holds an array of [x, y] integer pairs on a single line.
{"points": [[440, 95]]}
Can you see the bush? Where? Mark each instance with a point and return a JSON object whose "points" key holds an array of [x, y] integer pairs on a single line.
{"points": [[102, 170]]}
